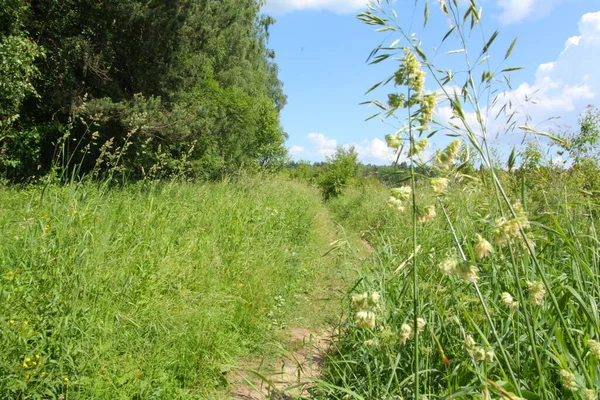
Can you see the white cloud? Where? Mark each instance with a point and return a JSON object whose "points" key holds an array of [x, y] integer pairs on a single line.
{"points": [[369, 151], [561, 88], [375, 151], [296, 150], [338, 6], [570, 82], [322, 145], [518, 10]]}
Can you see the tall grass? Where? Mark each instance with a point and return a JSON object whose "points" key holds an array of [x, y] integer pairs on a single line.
{"points": [[528, 338], [481, 289], [151, 291]]}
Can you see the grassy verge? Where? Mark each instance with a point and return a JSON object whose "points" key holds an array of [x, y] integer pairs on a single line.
{"points": [[152, 290], [497, 331]]}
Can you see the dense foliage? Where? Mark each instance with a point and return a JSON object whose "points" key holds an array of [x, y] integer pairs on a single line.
{"points": [[154, 88]]}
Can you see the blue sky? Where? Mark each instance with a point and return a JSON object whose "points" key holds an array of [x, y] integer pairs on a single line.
{"points": [[321, 49]]}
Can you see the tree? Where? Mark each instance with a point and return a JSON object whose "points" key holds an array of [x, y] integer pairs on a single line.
{"points": [[338, 170], [141, 82]]}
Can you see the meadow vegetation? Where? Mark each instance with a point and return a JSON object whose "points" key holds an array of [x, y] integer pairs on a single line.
{"points": [[155, 290], [151, 249], [486, 283]]}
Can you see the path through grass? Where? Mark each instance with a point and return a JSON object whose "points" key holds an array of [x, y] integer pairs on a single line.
{"points": [[155, 290]]}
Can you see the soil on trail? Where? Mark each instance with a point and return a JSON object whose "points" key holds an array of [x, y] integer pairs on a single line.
{"points": [[288, 376], [297, 358]]}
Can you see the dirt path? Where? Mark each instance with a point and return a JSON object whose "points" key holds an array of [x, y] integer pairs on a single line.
{"points": [[297, 359], [289, 376]]}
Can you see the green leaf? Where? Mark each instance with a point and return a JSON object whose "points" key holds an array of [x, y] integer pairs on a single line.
{"points": [[421, 53], [380, 58], [426, 16], [375, 86], [512, 69], [510, 48], [512, 158], [373, 52], [448, 34], [489, 42]]}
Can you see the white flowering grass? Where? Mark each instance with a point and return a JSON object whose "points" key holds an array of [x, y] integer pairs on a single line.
{"points": [[507, 276]]}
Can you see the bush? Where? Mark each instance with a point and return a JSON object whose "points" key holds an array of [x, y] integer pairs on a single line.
{"points": [[338, 171]]}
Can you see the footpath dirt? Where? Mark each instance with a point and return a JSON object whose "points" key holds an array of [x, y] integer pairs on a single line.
{"points": [[289, 376]]}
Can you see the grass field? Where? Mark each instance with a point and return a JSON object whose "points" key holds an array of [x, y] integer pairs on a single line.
{"points": [[154, 290], [161, 290]]}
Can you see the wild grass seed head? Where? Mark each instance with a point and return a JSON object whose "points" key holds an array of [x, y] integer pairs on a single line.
{"points": [[482, 247], [508, 300], [439, 185], [536, 292], [428, 214], [594, 348], [568, 380]]}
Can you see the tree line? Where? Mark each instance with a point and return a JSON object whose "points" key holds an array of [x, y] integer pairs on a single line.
{"points": [[144, 88]]}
